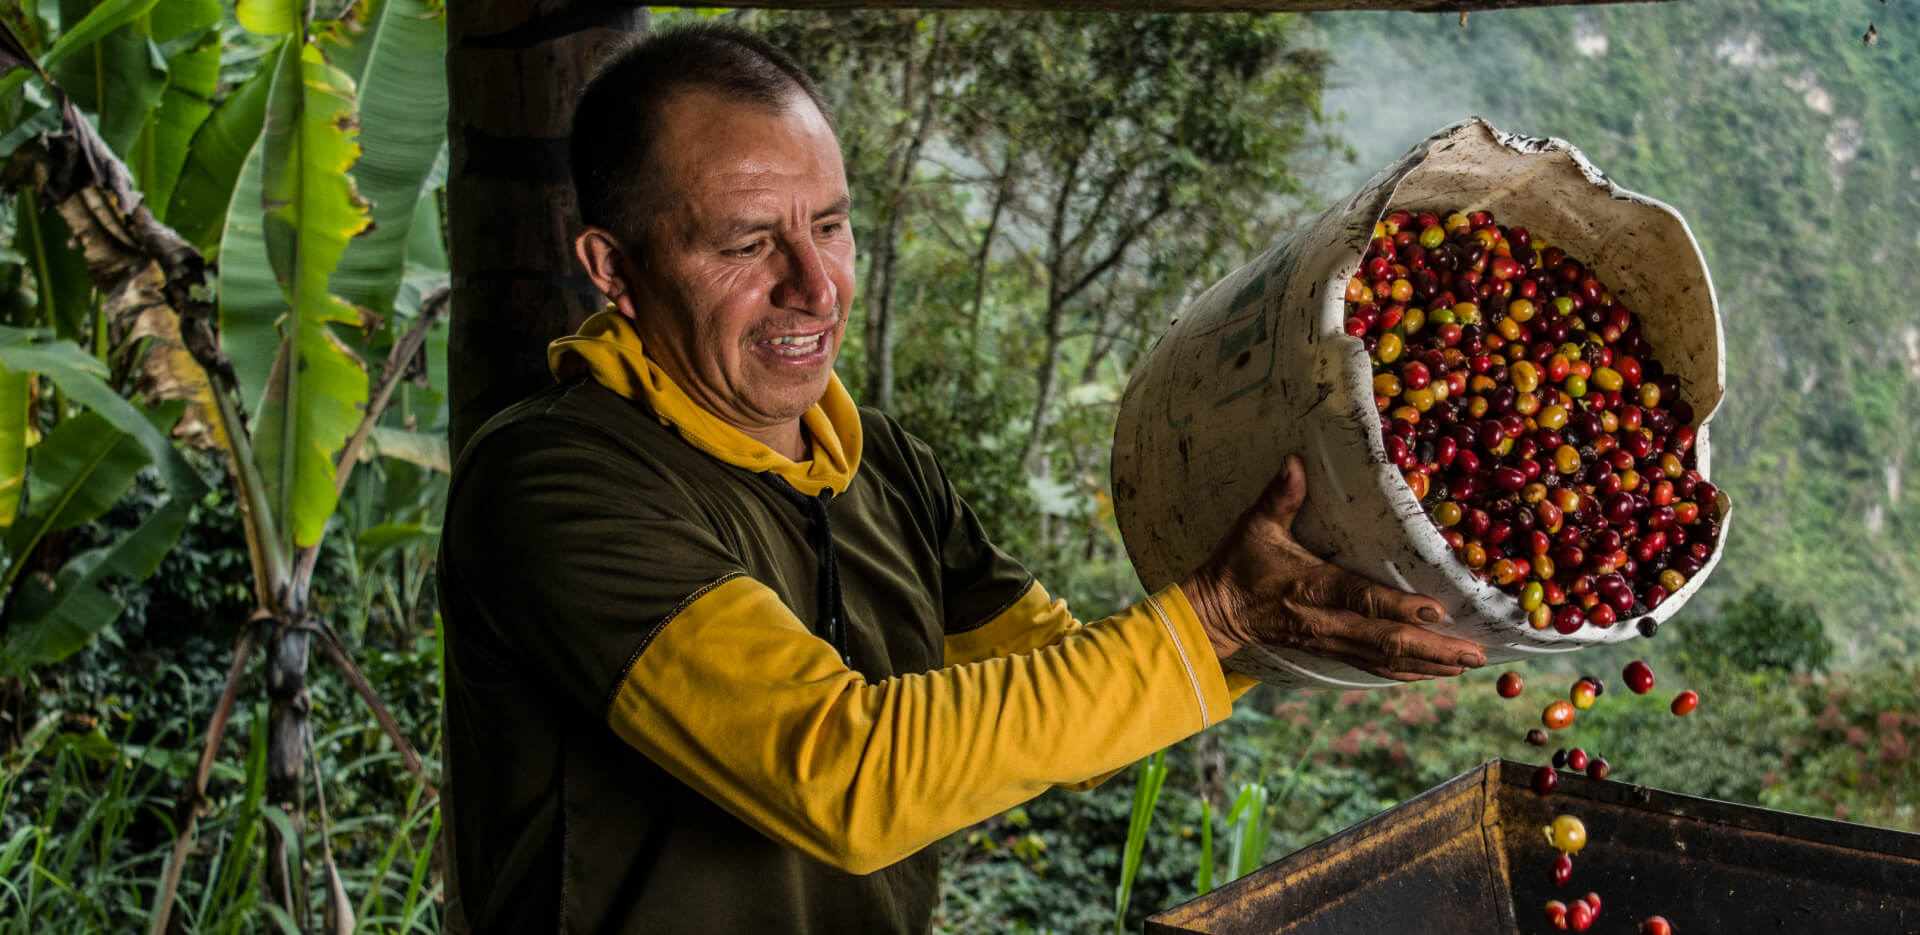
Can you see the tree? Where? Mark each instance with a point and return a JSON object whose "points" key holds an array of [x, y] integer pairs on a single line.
{"points": [[1043, 191], [1759, 632], [272, 180]]}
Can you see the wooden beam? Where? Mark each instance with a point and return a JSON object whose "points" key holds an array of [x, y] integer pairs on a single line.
{"points": [[1181, 6], [514, 69]]}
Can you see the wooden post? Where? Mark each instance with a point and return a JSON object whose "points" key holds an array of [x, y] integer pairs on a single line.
{"points": [[514, 70]]}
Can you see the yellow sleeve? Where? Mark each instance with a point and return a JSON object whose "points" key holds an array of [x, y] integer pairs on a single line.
{"points": [[1037, 619], [735, 698]]}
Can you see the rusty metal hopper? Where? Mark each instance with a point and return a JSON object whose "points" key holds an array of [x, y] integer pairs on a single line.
{"points": [[1468, 857]]}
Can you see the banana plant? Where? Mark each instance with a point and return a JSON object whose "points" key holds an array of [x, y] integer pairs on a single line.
{"points": [[313, 183], [81, 468]]}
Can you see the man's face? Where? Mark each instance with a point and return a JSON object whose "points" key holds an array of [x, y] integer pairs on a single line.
{"points": [[743, 285]]}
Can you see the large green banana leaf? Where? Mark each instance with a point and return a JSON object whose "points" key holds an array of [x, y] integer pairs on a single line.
{"points": [[270, 17], [317, 388], [198, 205], [426, 248], [188, 32], [15, 398], [398, 65], [119, 77], [82, 377], [49, 624], [82, 468], [93, 25], [59, 270], [250, 300]]}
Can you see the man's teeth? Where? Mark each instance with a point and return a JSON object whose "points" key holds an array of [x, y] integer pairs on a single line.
{"points": [[794, 346]]}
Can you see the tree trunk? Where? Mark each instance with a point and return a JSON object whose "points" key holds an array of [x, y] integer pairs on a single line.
{"points": [[288, 704], [919, 90], [514, 70], [1002, 190]]}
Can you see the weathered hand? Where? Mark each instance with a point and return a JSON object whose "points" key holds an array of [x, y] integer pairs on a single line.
{"points": [[1262, 586]]}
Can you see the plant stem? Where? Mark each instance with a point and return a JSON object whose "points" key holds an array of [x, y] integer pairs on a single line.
{"points": [[193, 802]]}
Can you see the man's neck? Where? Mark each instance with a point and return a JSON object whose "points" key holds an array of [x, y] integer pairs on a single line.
{"points": [[789, 440]]}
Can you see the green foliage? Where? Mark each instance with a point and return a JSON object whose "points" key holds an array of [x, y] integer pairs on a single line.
{"points": [[1146, 794], [247, 142], [1037, 193], [1758, 634], [317, 388], [86, 813], [81, 468]]}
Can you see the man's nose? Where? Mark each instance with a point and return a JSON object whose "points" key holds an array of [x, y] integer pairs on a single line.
{"points": [[805, 284]]}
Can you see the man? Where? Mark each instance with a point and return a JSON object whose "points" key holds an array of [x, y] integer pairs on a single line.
{"points": [[726, 653]]}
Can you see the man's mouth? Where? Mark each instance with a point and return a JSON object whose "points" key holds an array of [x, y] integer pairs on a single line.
{"points": [[796, 345]]}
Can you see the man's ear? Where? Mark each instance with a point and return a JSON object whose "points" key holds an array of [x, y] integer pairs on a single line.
{"points": [[605, 262]]}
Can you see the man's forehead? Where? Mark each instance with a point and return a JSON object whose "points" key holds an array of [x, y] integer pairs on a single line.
{"points": [[746, 153]]}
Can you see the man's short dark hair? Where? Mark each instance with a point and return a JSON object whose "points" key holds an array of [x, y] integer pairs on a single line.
{"points": [[611, 150]]}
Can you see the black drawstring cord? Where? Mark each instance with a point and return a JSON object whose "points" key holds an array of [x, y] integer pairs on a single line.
{"points": [[831, 613]]}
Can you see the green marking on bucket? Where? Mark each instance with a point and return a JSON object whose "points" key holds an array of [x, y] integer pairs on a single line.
{"points": [[1241, 340]]}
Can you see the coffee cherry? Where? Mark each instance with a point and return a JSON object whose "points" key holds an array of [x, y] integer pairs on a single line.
{"points": [[1556, 914], [1533, 417], [1579, 916], [1577, 760], [1537, 737], [1638, 676], [1566, 834], [1559, 714], [1509, 685], [1562, 869], [1592, 900], [1544, 780], [1685, 701], [1656, 925], [1560, 758], [1582, 695], [1597, 768]]}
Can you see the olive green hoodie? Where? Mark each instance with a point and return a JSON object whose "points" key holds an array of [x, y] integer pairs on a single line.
{"points": [[648, 729]]}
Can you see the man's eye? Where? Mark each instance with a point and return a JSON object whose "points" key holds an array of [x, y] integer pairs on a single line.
{"points": [[832, 227], [746, 251]]}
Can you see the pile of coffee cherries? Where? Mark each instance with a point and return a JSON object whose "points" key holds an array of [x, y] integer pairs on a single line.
{"points": [[1528, 414], [1567, 834]]}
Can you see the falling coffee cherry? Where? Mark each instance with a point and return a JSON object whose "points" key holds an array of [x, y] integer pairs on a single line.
{"points": [[1577, 759], [1509, 685], [1685, 701], [1562, 869], [1560, 758], [1638, 676], [1579, 916], [1544, 779], [1656, 925], [1582, 694], [1559, 714], [1537, 737], [1593, 900], [1557, 914], [1597, 768], [1567, 834], [1648, 626]]}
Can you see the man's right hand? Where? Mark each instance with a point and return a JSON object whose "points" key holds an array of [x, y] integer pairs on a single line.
{"points": [[1261, 586]]}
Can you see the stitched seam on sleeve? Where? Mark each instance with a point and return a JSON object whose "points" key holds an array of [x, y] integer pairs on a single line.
{"points": [[1003, 608], [1199, 696], [613, 693]]}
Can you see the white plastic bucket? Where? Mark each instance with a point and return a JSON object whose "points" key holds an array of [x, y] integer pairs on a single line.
{"points": [[1258, 367]]}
